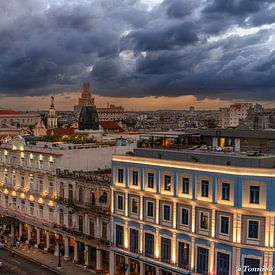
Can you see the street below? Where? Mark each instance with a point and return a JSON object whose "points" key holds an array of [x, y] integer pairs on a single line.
{"points": [[16, 265]]}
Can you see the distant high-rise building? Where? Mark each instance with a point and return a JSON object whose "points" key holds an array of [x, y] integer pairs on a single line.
{"points": [[229, 117], [86, 98], [52, 116]]}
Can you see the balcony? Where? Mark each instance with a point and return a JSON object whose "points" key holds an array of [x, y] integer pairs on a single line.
{"points": [[81, 235], [23, 217], [79, 205]]}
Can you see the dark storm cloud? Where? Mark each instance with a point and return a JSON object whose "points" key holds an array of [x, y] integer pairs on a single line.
{"points": [[177, 47]]}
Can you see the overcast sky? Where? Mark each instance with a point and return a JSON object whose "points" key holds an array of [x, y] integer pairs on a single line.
{"points": [[201, 51]]}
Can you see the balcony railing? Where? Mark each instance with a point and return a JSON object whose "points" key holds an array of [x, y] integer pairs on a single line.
{"points": [[75, 232], [23, 217], [76, 204]]}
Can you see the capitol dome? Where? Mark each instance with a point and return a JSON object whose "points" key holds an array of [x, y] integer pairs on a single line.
{"points": [[88, 118]]}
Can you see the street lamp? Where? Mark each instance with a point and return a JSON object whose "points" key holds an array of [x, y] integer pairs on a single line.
{"points": [[58, 241]]}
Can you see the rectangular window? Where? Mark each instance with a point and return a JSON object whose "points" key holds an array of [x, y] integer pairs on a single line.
{"points": [[32, 208], [41, 211], [51, 212], [14, 201], [22, 181], [120, 174], [149, 245], [23, 206], [92, 228], [167, 183], [135, 178], [204, 220], [183, 255], [184, 216], [6, 201], [119, 236], [253, 229], [150, 180], [254, 194], [134, 206], [50, 189], [6, 177], [185, 185], [120, 205], [165, 250], [104, 230], [204, 188], [134, 240], [13, 179], [223, 264], [150, 209], [225, 191], [41, 186], [40, 164], [166, 212], [224, 225], [252, 263], [32, 187], [202, 260]]}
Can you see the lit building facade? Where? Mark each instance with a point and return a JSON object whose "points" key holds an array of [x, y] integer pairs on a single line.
{"points": [[50, 202], [175, 217]]}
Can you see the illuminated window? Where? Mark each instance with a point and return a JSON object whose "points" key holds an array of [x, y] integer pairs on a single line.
{"points": [[204, 220], [134, 206], [167, 183]]}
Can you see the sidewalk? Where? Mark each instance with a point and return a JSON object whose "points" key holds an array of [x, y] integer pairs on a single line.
{"points": [[50, 261]]}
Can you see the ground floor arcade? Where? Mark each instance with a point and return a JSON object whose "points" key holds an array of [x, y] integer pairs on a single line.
{"points": [[66, 246]]}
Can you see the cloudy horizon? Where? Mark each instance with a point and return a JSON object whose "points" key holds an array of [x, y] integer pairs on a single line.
{"points": [[137, 53]]}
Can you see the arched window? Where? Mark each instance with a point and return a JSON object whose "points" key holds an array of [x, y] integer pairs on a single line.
{"points": [[81, 195], [71, 194], [61, 217], [61, 190]]}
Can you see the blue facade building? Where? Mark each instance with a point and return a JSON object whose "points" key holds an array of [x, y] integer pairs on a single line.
{"points": [[184, 217]]}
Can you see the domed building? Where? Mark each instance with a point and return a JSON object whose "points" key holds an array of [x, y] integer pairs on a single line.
{"points": [[88, 118]]}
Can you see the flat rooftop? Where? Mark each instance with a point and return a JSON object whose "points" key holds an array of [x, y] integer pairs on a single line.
{"points": [[208, 157]]}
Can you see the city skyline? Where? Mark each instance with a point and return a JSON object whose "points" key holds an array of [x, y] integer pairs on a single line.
{"points": [[145, 54]]}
